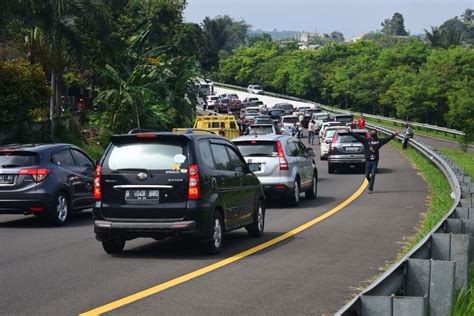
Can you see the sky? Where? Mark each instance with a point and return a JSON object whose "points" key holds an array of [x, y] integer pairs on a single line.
{"points": [[351, 17]]}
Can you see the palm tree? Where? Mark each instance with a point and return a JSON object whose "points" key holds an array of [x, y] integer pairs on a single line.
{"points": [[434, 37], [217, 30]]}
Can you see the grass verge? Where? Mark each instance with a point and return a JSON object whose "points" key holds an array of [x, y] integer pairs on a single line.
{"points": [[463, 159]]}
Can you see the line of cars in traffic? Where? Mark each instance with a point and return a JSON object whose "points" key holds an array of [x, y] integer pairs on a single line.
{"points": [[165, 184]]}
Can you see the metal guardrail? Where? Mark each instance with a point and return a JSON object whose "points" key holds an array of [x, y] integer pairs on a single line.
{"points": [[376, 117]]}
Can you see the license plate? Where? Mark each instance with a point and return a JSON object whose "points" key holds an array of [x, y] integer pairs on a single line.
{"points": [[6, 179], [352, 149], [142, 195], [254, 167]]}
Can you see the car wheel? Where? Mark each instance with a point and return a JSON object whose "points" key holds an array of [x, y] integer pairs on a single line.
{"points": [[295, 195], [214, 244], [312, 192], [113, 246], [60, 209], [256, 228], [331, 168]]}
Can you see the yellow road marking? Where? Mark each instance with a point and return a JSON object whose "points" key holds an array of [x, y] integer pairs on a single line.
{"points": [[192, 275]]}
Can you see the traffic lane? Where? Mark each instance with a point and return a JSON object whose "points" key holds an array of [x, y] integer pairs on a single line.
{"points": [[321, 267], [66, 271]]}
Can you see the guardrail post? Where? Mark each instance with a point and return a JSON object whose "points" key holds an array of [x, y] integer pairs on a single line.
{"points": [[409, 306], [376, 305], [441, 287], [417, 281]]}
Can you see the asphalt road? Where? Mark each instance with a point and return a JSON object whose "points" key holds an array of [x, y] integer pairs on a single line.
{"points": [[64, 271]]}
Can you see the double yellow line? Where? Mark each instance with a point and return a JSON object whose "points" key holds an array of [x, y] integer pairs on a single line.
{"points": [[197, 273]]}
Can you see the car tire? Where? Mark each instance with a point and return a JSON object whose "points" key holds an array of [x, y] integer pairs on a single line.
{"points": [[331, 169], [312, 192], [214, 245], [113, 246], [295, 194], [60, 210], [256, 228]]}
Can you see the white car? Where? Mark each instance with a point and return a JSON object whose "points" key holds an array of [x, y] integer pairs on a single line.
{"points": [[211, 101], [320, 118], [286, 122], [326, 125], [254, 89], [326, 140]]}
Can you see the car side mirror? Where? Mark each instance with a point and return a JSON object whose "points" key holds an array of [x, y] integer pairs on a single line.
{"points": [[328, 141], [311, 152]]}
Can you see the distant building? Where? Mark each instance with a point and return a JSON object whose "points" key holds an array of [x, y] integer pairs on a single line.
{"points": [[311, 46], [305, 37], [358, 37]]}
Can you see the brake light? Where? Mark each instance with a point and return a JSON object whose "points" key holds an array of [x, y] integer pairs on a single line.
{"points": [[253, 142], [332, 147], [281, 157], [97, 187], [194, 187], [37, 174], [147, 136]]}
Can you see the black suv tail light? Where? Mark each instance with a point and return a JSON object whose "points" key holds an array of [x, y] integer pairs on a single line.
{"points": [[194, 187], [97, 188]]}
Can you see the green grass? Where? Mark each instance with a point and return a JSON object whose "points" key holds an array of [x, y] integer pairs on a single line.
{"points": [[463, 159]]}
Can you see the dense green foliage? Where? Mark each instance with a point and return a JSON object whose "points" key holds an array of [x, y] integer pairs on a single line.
{"points": [[25, 92], [406, 79]]}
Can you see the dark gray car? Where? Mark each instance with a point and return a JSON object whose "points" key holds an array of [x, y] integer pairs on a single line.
{"points": [[45, 180]]}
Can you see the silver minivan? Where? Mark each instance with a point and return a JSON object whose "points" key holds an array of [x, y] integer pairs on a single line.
{"points": [[283, 164]]}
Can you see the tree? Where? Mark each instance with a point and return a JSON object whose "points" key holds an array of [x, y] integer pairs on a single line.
{"points": [[337, 36], [225, 33], [395, 25], [435, 37]]}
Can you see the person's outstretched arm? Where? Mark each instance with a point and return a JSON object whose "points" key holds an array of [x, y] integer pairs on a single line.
{"points": [[385, 140]]}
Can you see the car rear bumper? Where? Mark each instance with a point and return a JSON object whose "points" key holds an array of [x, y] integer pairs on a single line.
{"points": [[347, 159], [23, 206]]}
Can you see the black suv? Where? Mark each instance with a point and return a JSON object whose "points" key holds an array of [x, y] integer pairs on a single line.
{"points": [[50, 180], [165, 184], [346, 151]]}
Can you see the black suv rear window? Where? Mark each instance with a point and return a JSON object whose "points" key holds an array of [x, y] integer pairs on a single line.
{"points": [[150, 156], [16, 159], [347, 138], [257, 148]]}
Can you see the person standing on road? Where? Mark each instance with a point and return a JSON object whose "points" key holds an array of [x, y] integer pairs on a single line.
{"points": [[311, 130], [361, 122], [407, 135], [372, 145]]}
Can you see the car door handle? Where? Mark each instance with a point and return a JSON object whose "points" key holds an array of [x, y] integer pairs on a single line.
{"points": [[213, 183]]}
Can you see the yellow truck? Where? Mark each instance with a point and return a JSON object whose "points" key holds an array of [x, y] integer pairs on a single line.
{"points": [[224, 125]]}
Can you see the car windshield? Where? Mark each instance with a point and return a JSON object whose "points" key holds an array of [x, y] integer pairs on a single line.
{"points": [[292, 119], [16, 159], [258, 148], [330, 133], [261, 130], [348, 138], [225, 100], [344, 118], [213, 98], [147, 156], [284, 106], [321, 117], [257, 88], [253, 111]]}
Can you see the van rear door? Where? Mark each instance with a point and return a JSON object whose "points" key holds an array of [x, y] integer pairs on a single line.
{"points": [[145, 177]]}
